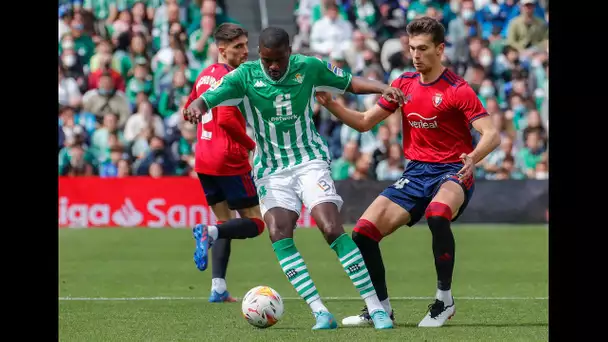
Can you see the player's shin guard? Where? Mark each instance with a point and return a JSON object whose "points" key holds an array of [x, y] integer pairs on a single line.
{"points": [[354, 265], [439, 216], [240, 228], [295, 269], [367, 238]]}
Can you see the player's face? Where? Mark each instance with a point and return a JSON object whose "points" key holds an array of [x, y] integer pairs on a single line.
{"points": [[275, 61], [425, 54], [235, 52]]}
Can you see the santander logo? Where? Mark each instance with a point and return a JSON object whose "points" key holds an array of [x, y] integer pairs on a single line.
{"points": [[421, 121]]}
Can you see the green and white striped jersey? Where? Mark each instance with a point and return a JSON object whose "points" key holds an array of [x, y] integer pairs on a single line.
{"points": [[280, 112]]}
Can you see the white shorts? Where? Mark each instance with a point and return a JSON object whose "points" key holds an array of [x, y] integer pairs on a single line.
{"points": [[309, 183]]}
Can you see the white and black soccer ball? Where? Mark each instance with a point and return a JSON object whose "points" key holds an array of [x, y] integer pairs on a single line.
{"points": [[262, 306]]}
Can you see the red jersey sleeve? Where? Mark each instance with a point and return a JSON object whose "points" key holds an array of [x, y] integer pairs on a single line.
{"points": [[387, 105], [228, 119], [466, 101]]}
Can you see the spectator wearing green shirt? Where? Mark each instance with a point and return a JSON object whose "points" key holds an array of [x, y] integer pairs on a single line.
{"points": [[532, 153], [100, 140], [136, 53], [140, 82], [200, 40], [344, 166], [169, 101], [103, 10], [83, 43], [183, 149]]}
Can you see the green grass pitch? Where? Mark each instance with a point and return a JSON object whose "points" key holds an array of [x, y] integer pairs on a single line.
{"points": [[142, 285]]}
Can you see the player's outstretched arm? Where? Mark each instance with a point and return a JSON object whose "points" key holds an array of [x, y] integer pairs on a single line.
{"points": [[362, 122], [359, 85], [490, 138]]}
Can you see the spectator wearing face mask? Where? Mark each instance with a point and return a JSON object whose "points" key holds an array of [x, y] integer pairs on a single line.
{"points": [[106, 98], [491, 18], [72, 65], [83, 44], [459, 30]]}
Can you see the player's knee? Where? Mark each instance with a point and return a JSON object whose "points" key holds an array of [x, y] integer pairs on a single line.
{"points": [[438, 210], [364, 231], [260, 224], [331, 230], [438, 217]]}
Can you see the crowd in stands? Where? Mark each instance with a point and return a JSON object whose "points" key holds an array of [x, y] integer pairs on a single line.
{"points": [[126, 68]]}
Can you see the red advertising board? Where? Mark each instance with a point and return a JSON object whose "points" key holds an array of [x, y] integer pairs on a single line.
{"points": [[170, 202]]}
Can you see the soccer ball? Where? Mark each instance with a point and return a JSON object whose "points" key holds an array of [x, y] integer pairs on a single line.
{"points": [[262, 307]]}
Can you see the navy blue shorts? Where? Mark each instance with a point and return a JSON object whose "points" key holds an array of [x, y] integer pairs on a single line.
{"points": [[420, 182], [239, 191]]}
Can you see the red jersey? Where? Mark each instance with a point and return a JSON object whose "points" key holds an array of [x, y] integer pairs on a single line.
{"points": [[436, 117], [222, 147]]}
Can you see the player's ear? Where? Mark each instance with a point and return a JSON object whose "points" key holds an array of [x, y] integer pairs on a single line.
{"points": [[289, 50], [440, 49]]}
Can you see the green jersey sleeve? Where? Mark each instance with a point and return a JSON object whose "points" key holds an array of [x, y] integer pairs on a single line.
{"points": [[227, 91], [329, 77]]}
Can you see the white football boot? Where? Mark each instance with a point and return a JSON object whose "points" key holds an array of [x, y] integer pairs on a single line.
{"points": [[438, 314], [363, 319]]}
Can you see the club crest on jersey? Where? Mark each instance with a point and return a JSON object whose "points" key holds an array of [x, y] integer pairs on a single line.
{"points": [[408, 98], [299, 78], [437, 98]]}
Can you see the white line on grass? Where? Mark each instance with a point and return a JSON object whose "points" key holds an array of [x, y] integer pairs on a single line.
{"points": [[286, 298]]}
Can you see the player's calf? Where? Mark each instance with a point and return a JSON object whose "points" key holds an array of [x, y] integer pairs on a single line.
{"points": [[328, 219], [439, 216]]}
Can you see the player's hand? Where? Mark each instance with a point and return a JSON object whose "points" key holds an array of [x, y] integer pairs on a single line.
{"points": [[392, 94], [193, 114], [324, 98], [467, 170]]}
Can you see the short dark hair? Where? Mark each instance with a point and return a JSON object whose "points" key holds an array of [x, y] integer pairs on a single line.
{"points": [[427, 25], [228, 32], [274, 37]]}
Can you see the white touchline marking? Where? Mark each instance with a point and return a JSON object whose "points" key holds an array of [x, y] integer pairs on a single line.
{"points": [[286, 298]]}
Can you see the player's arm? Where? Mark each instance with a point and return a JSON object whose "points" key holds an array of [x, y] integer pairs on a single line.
{"points": [[361, 121], [332, 79], [490, 138], [228, 120], [468, 103], [227, 91]]}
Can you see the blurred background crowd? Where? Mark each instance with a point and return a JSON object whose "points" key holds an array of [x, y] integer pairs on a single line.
{"points": [[126, 68]]}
